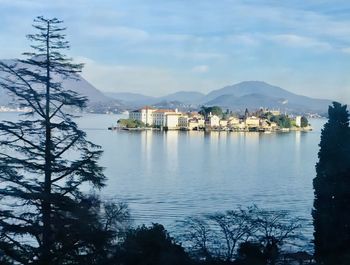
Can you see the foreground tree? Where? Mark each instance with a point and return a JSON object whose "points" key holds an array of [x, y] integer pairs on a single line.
{"points": [[44, 160], [151, 246], [331, 212], [241, 233]]}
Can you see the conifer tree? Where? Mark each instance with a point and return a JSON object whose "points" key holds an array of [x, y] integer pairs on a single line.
{"points": [[331, 214], [45, 159]]}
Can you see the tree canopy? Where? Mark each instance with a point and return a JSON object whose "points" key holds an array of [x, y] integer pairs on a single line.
{"points": [[214, 110], [331, 213], [304, 121], [130, 123], [44, 216]]}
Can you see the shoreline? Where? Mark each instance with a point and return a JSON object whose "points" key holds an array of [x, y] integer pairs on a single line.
{"points": [[255, 130]]}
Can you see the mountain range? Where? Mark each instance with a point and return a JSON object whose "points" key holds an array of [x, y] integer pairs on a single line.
{"points": [[238, 97], [97, 100]]}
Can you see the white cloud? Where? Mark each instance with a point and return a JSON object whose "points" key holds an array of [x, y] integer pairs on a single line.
{"points": [[146, 80], [243, 39], [200, 69], [119, 32], [299, 41], [346, 50]]}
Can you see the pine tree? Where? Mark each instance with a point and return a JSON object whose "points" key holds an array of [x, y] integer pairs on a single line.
{"points": [[331, 214], [45, 159]]}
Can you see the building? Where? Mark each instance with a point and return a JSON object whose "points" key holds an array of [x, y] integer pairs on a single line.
{"points": [[196, 123], [298, 121], [233, 122], [223, 124], [183, 121], [252, 121], [166, 118], [212, 121], [144, 115], [172, 120]]}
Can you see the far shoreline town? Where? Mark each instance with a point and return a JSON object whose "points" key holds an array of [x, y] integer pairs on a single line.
{"points": [[212, 119]]}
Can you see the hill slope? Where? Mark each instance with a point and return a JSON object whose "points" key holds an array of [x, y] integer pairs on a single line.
{"points": [[97, 101], [255, 94]]}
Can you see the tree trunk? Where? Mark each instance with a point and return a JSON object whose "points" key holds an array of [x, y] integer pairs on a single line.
{"points": [[46, 203]]}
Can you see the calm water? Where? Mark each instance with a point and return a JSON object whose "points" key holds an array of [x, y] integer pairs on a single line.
{"points": [[165, 177]]}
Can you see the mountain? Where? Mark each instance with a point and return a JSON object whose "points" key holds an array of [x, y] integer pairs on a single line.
{"points": [[97, 101], [178, 99], [130, 97], [249, 87], [256, 94], [184, 96], [248, 94]]}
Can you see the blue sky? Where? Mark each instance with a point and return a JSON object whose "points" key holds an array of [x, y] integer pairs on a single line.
{"points": [[157, 47]]}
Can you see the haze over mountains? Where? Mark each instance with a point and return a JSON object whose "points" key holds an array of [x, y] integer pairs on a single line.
{"points": [[97, 101], [248, 94]]}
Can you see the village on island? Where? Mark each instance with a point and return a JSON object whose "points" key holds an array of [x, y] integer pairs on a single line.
{"points": [[213, 119]]}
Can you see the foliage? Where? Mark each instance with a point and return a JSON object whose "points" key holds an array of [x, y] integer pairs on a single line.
{"points": [[44, 216], [151, 245], [304, 121], [331, 213], [251, 253], [214, 110], [130, 123], [218, 236], [282, 121]]}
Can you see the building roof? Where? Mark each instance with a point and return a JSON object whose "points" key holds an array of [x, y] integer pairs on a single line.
{"points": [[164, 110]]}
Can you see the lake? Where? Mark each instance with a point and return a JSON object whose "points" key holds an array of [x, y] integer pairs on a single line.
{"points": [[167, 176]]}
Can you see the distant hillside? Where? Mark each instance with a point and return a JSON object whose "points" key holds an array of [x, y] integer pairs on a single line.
{"points": [[248, 94], [97, 101], [184, 96], [180, 98], [249, 87], [130, 97], [255, 94]]}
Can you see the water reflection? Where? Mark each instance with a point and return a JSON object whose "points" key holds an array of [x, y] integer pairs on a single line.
{"points": [[170, 147], [165, 176], [146, 150]]}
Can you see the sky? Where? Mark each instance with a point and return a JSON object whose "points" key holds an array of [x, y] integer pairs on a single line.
{"points": [[156, 47]]}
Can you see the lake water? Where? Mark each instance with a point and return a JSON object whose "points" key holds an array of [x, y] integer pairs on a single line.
{"points": [[167, 176]]}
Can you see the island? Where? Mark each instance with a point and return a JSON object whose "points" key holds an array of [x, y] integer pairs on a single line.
{"points": [[213, 119]]}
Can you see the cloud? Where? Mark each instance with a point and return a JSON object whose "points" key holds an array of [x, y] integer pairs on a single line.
{"points": [[139, 79], [299, 41], [200, 69], [345, 50], [153, 81], [243, 39], [119, 32]]}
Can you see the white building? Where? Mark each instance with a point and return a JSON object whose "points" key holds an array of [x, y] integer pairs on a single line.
{"points": [[233, 121], [172, 120], [166, 118], [145, 115], [252, 121], [213, 121], [223, 124], [298, 121], [196, 123], [183, 121]]}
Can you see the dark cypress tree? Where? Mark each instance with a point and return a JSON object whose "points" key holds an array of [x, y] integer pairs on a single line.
{"points": [[45, 158], [331, 214]]}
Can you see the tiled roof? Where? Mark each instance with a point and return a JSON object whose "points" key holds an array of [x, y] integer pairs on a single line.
{"points": [[164, 110]]}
